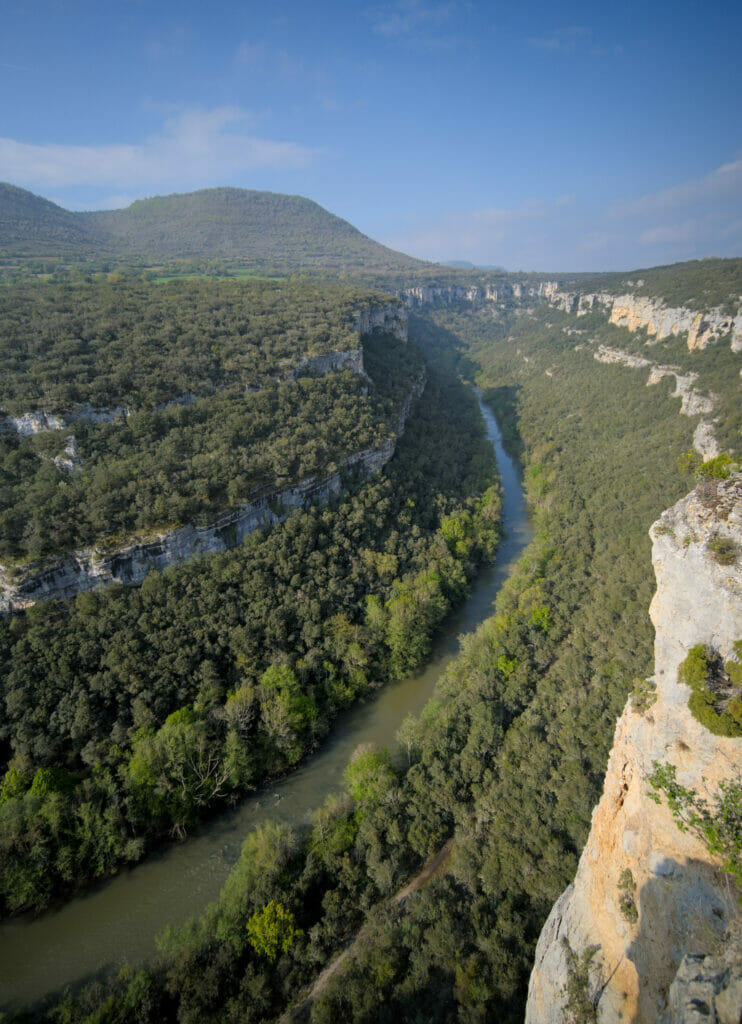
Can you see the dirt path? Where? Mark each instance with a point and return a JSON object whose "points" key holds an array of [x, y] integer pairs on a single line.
{"points": [[435, 866]]}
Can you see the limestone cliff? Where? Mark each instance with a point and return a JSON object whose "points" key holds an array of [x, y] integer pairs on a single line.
{"points": [[692, 401], [633, 312], [636, 312], [502, 292], [683, 906], [391, 318]]}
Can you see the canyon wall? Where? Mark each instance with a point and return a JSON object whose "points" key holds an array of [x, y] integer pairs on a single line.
{"points": [[389, 318], [630, 311], [679, 948], [636, 312]]}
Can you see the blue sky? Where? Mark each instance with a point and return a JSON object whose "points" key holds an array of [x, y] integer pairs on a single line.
{"points": [[540, 136]]}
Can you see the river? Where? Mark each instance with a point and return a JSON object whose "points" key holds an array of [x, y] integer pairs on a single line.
{"points": [[118, 920]]}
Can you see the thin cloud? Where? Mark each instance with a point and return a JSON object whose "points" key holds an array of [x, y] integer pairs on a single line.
{"points": [[690, 220], [561, 40], [250, 54], [407, 18], [476, 234], [723, 183], [201, 146]]}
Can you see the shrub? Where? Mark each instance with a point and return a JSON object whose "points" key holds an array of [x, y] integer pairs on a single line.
{"points": [[627, 898], [723, 550], [643, 696], [719, 827], [719, 468], [272, 930], [716, 700], [581, 1005]]}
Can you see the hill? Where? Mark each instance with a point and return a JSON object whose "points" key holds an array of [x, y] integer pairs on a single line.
{"points": [[33, 226], [267, 230]]}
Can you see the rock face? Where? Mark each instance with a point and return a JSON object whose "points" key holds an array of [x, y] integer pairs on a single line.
{"points": [[692, 402], [636, 312], [87, 568], [685, 904], [630, 311], [503, 292], [390, 319], [707, 989], [350, 360], [660, 321]]}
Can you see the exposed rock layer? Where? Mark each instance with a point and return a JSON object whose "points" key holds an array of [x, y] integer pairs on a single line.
{"points": [[685, 905], [389, 318], [633, 312]]}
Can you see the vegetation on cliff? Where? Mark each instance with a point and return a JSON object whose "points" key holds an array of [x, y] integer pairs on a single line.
{"points": [[696, 284], [716, 697], [129, 713], [509, 757]]}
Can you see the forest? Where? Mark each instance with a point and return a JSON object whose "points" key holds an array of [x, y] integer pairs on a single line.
{"points": [[180, 398], [109, 752], [265, 231], [129, 713], [508, 757]]}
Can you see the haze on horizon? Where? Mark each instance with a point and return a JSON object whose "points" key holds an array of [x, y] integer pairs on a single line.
{"points": [[560, 138]]}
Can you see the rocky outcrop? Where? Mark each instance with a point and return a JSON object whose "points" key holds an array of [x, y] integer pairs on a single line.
{"points": [[70, 458], [692, 402], [40, 420], [660, 321], [389, 318], [707, 989], [332, 361], [88, 568], [605, 354], [630, 311], [682, 904], [704, 440], [502, 292]]}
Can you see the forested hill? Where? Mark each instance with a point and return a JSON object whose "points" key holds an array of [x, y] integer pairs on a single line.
{"points": [[264, 229], [32, 226]]}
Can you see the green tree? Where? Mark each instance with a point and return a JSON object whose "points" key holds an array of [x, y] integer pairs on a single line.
{"points": [[272, 930]]}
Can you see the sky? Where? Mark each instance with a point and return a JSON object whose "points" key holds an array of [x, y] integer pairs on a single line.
{"points": [[533, 136]]}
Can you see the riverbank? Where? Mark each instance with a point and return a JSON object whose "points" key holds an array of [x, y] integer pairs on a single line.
{"points": [[117, 922]]}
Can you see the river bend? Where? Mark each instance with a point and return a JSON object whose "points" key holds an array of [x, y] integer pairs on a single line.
{"points": [[118, 920]]}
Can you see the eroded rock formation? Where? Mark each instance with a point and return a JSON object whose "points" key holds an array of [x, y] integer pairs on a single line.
{"points": [[683, 905]]}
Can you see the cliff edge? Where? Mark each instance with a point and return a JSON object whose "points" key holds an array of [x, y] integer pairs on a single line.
{"points": [[649, 900]]}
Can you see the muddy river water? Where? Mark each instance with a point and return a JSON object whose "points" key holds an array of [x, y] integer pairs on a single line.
{"points": [[118, 920]]}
